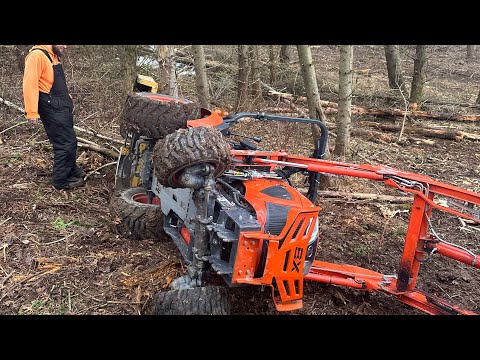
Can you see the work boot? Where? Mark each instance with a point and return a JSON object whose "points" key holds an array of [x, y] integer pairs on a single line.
{"points": [[73, 182], [78, 172]]}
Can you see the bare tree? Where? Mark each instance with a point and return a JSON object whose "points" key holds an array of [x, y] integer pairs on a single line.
{"points": [[313, 99], [419, 70], [272, 63], [394, 68], [242, 80], [201, 80], [128, 67], [471, 50], [344, 115], [256, 84], [167, 74], [285, 54]]}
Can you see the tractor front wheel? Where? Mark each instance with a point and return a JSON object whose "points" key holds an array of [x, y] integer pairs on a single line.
{"points": [[188, 147], [205, 300]]}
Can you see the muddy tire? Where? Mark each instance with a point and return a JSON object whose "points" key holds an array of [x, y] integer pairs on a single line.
{"points": [[187, 147], [205, 300], [133, 217], [156, 115]]}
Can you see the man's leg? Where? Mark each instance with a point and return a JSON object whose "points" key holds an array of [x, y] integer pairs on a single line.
{"points": [[59, 128]]}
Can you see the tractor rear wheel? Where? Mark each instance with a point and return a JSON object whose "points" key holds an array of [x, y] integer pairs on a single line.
{"points": [[188, 147], [205, 300], [156, 115], [134, 218]]}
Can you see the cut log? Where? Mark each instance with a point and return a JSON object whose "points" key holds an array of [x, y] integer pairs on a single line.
{"points": [[427, 132]]}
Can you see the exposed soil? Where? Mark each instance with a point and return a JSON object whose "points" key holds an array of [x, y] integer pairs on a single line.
{"points": [[60, 255]]}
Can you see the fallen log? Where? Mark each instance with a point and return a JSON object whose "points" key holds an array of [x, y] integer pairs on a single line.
{"points": [[100, 136], [412, 113], [427, 132], [363, 196], [99, 149], [332, 108], [12, 105], [91, 132]]}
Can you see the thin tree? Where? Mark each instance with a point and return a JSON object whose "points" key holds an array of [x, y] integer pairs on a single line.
{"points": [[128, 67], [256, 83], [242, 79], [394, 69], [285, 54], [471, 49], [313, 100], [201, 80], [419, 70], [344, 115], [167, 73], [272, 64]]}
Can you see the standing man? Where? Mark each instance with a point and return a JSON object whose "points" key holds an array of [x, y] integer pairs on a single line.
{"points": [[45, 95]]}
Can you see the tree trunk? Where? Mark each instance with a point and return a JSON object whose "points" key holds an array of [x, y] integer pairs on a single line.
{"points": [[272, 64], [285, 54], [418, 80], [167, 74], [344, 115], [394, 69], [471, 52], [129, 67], [256, 84], [172, 79], [242, 80], [201, 80], [313, 99], [478, 98], [162, 69]]}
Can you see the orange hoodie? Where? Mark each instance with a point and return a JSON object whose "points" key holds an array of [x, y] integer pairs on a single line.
{"points": [[38, 76]]}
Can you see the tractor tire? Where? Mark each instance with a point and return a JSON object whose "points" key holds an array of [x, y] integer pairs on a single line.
{"points": [[156, 115], [134, 218], [205, 300], [187, 147]]}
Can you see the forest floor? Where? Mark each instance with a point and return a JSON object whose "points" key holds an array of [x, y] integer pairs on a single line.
{"points": [[59, 255]]}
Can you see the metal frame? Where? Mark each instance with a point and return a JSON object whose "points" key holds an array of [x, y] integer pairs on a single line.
{"points": [[421, 239]]}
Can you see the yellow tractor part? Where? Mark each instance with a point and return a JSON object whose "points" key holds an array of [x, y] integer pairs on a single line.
{"points": [[135, 179], [146, 83]]}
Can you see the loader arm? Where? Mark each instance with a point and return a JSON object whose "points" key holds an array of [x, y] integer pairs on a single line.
{"points": [[421, 239]]}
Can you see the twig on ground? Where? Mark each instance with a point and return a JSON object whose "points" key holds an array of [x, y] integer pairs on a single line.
{"points": [[13, 126], [4, 221], [101, 167], [56, 241]]}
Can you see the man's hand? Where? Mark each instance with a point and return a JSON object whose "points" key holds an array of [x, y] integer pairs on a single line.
{"points": [[32, 121]]}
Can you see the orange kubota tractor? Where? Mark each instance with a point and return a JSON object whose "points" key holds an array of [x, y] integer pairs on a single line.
{"points": [[233, 213]]}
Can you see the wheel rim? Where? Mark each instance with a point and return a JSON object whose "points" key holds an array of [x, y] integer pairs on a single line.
{"points": [[217, 165], [142, 198]]}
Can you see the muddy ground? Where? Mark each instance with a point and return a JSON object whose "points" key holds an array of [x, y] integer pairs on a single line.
{"points": [[59, 255]]}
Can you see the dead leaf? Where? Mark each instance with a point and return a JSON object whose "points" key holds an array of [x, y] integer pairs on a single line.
{"points": [[390, 211], [21, 186]]}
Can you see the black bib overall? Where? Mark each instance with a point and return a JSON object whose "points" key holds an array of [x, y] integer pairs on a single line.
{"points": [[56, 112]]}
